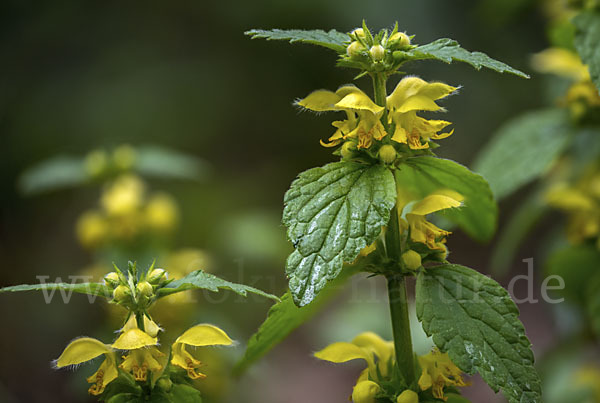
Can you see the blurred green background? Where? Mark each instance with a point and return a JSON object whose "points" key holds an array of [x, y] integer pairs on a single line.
{"points": [[81, 75]]}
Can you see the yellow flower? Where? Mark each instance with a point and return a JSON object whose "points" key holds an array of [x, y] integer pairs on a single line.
{"points": [[438, 372], [124, 196], [161, 213], [423, 231], [142, 354], [582, 203], [86, 349], [561, 62], [197, 336], [362, 115], [379, 355], [411, 95], [92, 229]]}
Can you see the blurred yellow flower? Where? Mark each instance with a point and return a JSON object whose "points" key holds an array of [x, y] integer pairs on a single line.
{"points": [[161, 213], [563, 62], [92, 229], [582, 203], [123, 196]]}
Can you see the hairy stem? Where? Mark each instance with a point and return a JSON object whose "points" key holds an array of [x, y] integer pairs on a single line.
{"points": [[396, 283], [401, 328]]}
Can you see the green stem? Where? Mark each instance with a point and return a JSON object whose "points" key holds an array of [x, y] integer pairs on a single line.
{"points": [[398, 298], [398, 301], [401, 327]]}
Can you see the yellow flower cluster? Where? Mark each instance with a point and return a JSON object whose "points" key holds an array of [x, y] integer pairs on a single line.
{"points": [[363, 125], [141, 354], [437, 369], [582, 94], [582, 203], [126, 213]]}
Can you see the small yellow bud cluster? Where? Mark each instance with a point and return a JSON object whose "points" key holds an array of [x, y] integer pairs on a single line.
{"points": [[100, 163], [139, 293], [374, 53]]}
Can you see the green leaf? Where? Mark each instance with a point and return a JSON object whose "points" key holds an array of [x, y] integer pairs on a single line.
{"points": [[417, 177], [333, 39], [160, 162], [124, 398], [587, 37], [284, 317], [523, 149], [576, 264], [185, 394], [474, 320], [81, 288], [448, 50], [200, 280], [520, 223], [55, 173], [332, 213], [593, 304]]}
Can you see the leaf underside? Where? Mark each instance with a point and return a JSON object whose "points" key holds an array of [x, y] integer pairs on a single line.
{"points": [[448, 50], [201, 280], [474, 320], [332, 39], [332, 213]]}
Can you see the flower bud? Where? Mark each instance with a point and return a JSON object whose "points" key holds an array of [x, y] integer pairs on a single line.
{"points": [[365, 391], [164, 384], [112, 279], [359, 33], [387, 154], [95, 163], [121, 293], [348, 149], [399, 39], [124, 157], [408, 396], [353, 50], [377, 53], [411, 259], [156, 276], [144, 288]]}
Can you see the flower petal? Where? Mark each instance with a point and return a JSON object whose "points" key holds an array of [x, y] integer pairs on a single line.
{"points": [[359, 101], [320, 101], [134, 339], [418, 103], [81, 350], [343, 352], [433, 203], [204, 335]]}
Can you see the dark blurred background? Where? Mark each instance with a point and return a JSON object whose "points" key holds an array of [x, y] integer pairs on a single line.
{"points": [[81, 75]]}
